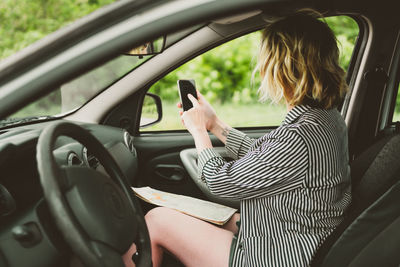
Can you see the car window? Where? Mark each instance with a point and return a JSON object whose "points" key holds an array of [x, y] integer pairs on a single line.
{"points": [[224, 76], [396, 114], [77, 92]]}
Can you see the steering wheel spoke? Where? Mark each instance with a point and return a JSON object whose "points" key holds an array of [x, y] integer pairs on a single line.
{"points": [[108, 255]]}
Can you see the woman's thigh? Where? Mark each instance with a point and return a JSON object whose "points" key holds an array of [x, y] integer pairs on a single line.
{"points": [[231, 224], [193, 241]]}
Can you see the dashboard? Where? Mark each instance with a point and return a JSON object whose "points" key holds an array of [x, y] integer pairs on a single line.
{"points": [[22, 208]]}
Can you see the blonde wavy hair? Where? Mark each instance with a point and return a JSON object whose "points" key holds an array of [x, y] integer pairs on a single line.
{"points": [[299, 61]]}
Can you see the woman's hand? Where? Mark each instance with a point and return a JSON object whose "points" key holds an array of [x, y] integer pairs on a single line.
{"points": [[202, 116], [209, 114], [196, 121]]}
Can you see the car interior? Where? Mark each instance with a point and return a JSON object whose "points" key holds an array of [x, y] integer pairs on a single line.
{"points": [[52, 216]]}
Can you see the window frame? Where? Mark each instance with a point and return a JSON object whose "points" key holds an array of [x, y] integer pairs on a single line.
{"points": [[392, 89]]}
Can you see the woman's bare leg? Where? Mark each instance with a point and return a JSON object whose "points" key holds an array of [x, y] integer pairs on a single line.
{"points": [[192, 241], [231, 224], [127, 257]]}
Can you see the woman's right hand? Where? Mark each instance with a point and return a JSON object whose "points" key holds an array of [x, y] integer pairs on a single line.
{"points": [[212, 123], [208, 111]]}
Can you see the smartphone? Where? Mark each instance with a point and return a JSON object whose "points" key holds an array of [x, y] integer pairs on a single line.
{"points": [[186, 87]]}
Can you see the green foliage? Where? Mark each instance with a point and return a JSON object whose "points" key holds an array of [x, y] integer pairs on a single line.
{"points": [[26, 21], [396, 115], [221, 74], [346, 32]]}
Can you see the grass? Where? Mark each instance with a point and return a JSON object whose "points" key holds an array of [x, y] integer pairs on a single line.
{"points": [[236, 115]]}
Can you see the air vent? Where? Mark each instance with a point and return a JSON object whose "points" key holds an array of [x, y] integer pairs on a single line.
{"points": [[93, 162], [128, 139]]}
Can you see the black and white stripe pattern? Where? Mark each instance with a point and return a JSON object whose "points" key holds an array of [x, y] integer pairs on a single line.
{"points": [[293, 183]]}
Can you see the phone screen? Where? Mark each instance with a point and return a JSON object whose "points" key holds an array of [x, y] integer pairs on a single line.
{"points": [[186, 87]]}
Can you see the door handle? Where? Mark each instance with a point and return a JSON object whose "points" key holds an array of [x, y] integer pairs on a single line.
{"points": [[170, 172]]}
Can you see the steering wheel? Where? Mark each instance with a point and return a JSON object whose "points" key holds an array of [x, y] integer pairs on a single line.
{"points": [[98, 215], [189, 160]]}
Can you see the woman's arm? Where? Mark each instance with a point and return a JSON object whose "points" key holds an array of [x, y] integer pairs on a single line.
{"points": [[220, 129], [277, 165], [237, 143]]}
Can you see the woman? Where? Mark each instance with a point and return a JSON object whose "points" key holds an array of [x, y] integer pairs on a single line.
{"points": [[293, 183]]}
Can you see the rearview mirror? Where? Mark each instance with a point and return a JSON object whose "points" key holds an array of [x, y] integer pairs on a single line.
{"points": [[148, 48]]}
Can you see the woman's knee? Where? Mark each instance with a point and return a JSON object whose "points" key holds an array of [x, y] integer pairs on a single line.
{"points": [[157, 219], [156, 214]]}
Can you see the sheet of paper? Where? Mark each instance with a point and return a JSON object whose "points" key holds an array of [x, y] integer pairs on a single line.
{"points": [[205, 210]]}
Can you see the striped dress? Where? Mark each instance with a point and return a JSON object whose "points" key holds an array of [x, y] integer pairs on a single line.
{"points": [[293, 185]]}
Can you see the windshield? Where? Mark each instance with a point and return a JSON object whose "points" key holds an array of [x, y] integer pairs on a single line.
{"points": [[76, 93]]}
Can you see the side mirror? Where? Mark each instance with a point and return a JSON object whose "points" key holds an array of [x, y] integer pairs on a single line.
{"points": [[151, 110], [149, 48]]}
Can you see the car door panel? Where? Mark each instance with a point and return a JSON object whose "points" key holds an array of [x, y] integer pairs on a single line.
{"points": [[160, 160]]}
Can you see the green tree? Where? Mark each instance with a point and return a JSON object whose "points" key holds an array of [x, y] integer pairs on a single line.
{"points": [[25, 21]]}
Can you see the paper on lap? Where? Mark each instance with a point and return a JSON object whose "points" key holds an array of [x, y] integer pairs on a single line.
{"points": [[201, 209]]}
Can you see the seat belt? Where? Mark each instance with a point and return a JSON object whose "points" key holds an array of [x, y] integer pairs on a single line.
{"points": [[365, 133]]}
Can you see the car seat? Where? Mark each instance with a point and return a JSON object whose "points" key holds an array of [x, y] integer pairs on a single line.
{"points": [[369, 235]]}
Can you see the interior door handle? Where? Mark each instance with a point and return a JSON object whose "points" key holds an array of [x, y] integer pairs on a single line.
{"points": [[170, 172]]}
